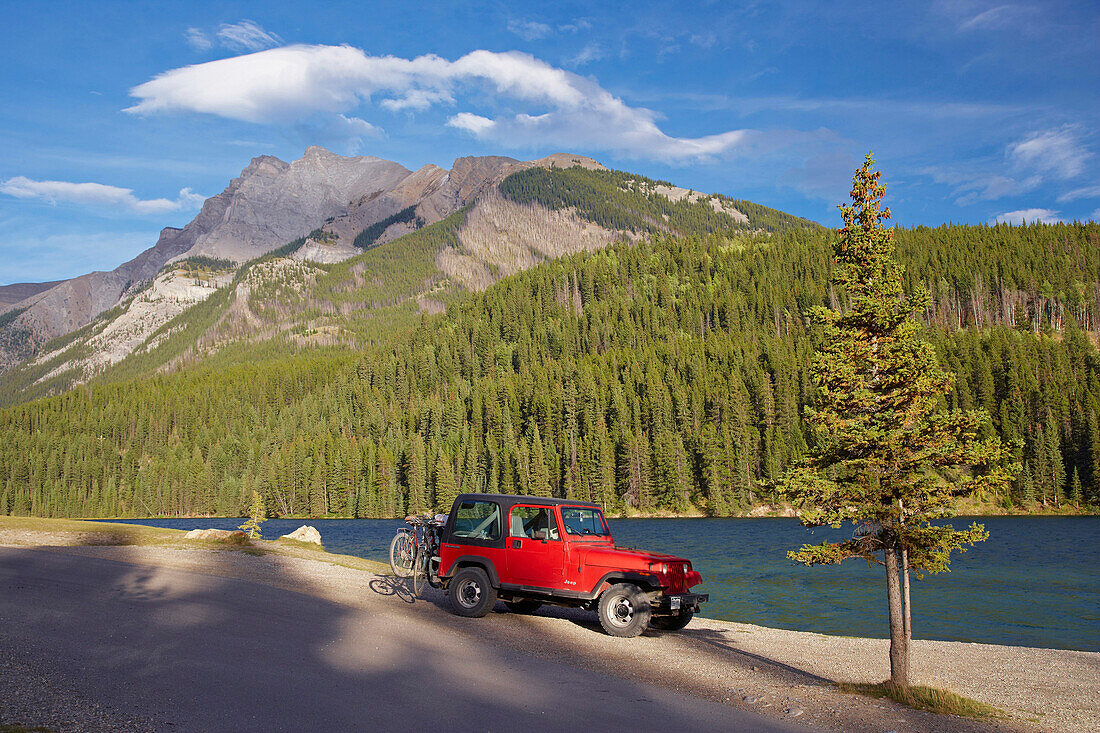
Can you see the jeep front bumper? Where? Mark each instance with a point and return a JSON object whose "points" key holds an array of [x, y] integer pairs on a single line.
{"points": [[680, 602]]}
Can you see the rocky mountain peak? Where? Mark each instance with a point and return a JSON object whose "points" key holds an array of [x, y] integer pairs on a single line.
{"points": [[316, 151], [272, 202], [264, 164]]}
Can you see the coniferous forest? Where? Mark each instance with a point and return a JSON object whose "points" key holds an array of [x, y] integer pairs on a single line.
{"points": [[663, 376]]}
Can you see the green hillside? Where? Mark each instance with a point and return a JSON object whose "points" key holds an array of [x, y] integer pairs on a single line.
{"points": [[371, 297], [662, 375], [356, 303], [629, 202]]}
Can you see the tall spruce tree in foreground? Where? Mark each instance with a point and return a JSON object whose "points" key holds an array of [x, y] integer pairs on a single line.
{"points": [[881, 435]]}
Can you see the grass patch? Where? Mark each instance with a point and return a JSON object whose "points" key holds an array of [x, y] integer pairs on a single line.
{"points": [[931, 699], [81, 532], [9, 728], [313, 546], [38, 532]]}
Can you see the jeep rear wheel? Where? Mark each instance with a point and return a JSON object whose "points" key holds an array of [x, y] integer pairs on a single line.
{"points": [[624, 610], [525, 605], [470, 594], [672, 623]]}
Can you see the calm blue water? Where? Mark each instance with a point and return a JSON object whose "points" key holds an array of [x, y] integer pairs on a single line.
{"points": [[1035, 582]]}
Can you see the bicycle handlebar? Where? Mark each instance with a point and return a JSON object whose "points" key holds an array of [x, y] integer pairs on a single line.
{"points": [[423, 520]]}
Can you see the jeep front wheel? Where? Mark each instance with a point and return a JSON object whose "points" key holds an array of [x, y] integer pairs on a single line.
{"points": [[624, 610], [672, 623], [470, 594]]}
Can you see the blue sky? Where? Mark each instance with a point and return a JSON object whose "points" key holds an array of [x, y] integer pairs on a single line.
{"points": [[119, 118]]}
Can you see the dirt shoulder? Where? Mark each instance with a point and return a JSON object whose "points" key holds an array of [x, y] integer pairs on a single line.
{"points": [[789, 676]]}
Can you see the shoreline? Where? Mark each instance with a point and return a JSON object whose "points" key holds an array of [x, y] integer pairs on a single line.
{"points": [[763, 511], [298, 549], [767, 670], [120, 532]]}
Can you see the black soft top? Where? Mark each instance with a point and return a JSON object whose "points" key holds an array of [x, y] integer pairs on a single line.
{"points": [[507, 501]]}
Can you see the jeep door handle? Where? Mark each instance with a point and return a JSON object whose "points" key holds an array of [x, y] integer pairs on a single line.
{"points": [[516, 544]]}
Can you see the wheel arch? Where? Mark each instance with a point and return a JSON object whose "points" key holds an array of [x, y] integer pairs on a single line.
{"points": [[647, 583], [467, 561]]}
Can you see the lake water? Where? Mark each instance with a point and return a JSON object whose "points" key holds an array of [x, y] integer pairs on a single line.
{"points": [[1035, 582]]}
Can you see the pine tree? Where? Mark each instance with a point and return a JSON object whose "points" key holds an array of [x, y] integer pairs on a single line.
{"points": [[879, 432], [1027, 483], [257, 515], [1075, 491], [540, 473], [446, 489], [415, 476]]}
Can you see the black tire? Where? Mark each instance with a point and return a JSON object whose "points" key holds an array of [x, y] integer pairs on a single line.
{"points": [[470, 594], [526, 605], [624, 610], [402, 554], [420, 572], [672, 623]]}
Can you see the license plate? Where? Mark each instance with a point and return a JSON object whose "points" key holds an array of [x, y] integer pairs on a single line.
{"points": [[674, 603]]}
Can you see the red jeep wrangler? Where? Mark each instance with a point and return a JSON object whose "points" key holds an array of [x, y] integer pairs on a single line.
{"points": [[528, 552]]}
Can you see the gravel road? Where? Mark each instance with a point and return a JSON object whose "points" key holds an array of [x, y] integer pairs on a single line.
{"points": [[147, 638]]}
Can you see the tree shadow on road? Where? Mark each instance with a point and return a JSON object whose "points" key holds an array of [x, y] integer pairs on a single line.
{"points": [[206, 648], [718, 641]]}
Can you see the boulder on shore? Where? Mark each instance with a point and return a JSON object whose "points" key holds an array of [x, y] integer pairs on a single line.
{"points": [[217, 535], [305, 533]]}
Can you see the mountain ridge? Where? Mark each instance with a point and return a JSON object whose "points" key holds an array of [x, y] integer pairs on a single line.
{"points": [[270, 203], [327, 200]]}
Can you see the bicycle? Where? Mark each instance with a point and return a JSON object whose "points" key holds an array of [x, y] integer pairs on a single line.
{"points": [[414, 548]]}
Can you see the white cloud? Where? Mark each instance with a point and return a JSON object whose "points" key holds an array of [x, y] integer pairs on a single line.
{"points": [[96, 195], [1028, 216], [292, 83], [1095, 216], [247, 36], [976, 182], [1088, 192], [360, 127], [198, 40], [580, 24], [338, 132], [1053, 152], [418, 99], [1001, 16], [471, 123], [529, 30], [591, 52], [1035, 160]]}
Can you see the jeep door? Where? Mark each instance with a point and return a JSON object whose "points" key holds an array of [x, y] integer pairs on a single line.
{"points": [[536, 553]]}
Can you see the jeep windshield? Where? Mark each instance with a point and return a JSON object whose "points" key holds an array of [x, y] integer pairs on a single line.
{"points": [[584, 522]]}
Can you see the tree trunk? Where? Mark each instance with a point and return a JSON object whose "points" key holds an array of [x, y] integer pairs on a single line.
{"points": [[907, 617], [899, 650]]}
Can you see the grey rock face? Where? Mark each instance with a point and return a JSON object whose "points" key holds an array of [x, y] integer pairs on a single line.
{"points": [[274, 202], [10, 295], [270, 204]]}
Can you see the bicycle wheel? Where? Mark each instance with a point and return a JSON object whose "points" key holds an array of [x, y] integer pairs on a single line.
{"points": [[402, 554], [420, 572]]}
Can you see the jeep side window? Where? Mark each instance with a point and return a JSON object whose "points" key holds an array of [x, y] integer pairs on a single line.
{"points": [[534, 522], [477, 520], [584, 522]]}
